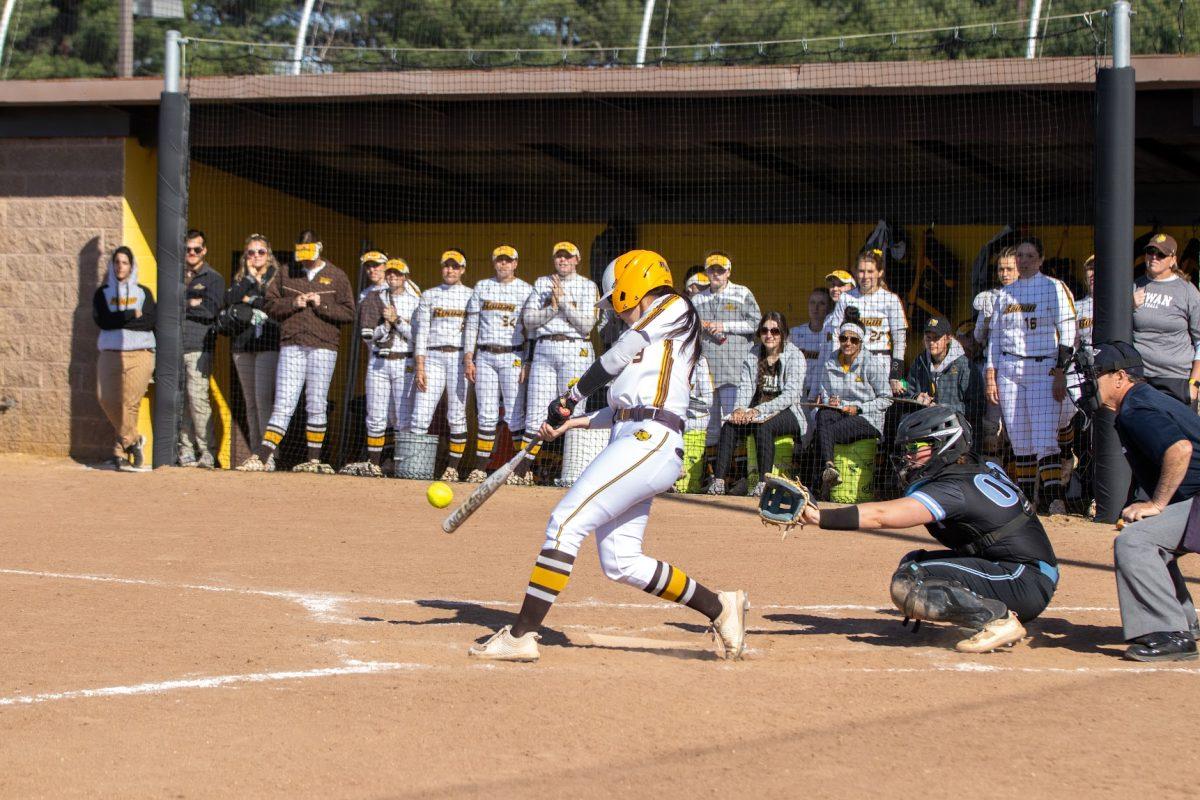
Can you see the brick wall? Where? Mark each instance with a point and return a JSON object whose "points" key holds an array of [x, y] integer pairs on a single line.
{"points": [[60, 215]]}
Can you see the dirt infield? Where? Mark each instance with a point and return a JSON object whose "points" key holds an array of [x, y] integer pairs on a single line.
{"points": [[189, 634]]}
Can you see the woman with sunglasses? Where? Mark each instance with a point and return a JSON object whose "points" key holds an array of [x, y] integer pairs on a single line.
{"points": [[854, 382], [254, 336], [1166, 322], [880, 312], [771, 385]]}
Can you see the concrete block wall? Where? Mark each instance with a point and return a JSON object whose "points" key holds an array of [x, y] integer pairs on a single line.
{"points": [[61, 214]]}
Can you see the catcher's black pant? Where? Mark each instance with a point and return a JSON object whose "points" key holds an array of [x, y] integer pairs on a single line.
{"points": [[765, 433], [835, 427], [1025, 589]]}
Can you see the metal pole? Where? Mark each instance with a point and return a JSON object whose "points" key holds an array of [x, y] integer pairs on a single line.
{"points": [[5, 18], [125, 39], [644, 36], [173, 115], [1035, 13], [1115, 119], [301, 36]]}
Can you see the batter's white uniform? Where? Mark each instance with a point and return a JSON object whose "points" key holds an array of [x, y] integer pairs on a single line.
{"points": [[438, 336], [1030, 318], [882, 316], [496, 335], [390, 371], [564, 347], [612, 497]]}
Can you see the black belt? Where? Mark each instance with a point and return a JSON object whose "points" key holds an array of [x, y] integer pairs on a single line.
{"points": [[446, 348], [390, 356], [501, 348], [1027, 358], [643, 413], [561, 337]]}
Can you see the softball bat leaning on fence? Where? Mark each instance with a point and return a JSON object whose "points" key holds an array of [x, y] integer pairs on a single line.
{"points": [[485, 490]]}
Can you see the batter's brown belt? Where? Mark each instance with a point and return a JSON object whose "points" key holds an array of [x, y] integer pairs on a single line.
{"points": [[561, 337], [644, 413], [500, 348], [446, 348]]}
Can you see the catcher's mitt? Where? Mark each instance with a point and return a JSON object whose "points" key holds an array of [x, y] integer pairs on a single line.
{"points": [[782, 503]]}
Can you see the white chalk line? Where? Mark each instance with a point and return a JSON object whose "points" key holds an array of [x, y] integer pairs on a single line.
{"points": [[213, 682], [322, 605]]}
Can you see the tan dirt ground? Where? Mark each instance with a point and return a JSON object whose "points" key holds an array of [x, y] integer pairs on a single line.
{"points": [[187, 634]]}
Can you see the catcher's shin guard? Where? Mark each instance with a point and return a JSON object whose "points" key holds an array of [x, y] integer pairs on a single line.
{"points": [[920, 595]]}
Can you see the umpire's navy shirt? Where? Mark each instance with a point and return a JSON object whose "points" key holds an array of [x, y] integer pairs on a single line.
{"points": [[1148, 423]]}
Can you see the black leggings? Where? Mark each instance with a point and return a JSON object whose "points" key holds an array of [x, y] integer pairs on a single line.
{"points": [[835, 427], [1023, 588], [764, 433]]}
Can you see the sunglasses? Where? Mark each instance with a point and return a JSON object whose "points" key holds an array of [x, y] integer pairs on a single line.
{"points": [[847, 338], [258, 252], [768, 331], [452, 265], [1152, 253], [196, 249], [912, 448]]}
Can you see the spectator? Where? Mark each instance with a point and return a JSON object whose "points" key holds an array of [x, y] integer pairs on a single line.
{"points": [[855, 383], [1084, 314], [124, 311], [695, 428], [1166, 322], [312, 302], [768, 393], [1030, 341], [880, 312], [943, 375], [254, 335], [729, 315], [1006, 273], [811, 337], [837, 282], [205, 293], [372, 263], [696, 284]]}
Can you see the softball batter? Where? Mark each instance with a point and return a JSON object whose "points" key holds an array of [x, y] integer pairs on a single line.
{"points": [[1030, 343], [649, 367], [437, 356], [494, 354]]}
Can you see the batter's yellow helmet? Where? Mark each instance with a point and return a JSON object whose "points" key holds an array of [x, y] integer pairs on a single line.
{"points": [[630, 276]]}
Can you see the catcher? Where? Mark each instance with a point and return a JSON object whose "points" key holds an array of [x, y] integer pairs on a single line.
{"points": [[999, 570]]}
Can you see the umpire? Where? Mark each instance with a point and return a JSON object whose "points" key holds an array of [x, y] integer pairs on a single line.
{"points": [[1161, 439]]}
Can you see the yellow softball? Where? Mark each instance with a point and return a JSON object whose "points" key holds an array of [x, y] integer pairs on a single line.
{"points": [[439, 494]]}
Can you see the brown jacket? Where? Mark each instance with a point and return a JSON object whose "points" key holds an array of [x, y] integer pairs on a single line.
{"points": [[312, 326]]}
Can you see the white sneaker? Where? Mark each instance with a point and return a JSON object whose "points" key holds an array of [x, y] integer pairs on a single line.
{"points": [[520, 480], [503, 646], [758, 489], [717, 486], [1058, 508], [477, 476], [450, 475], [1007, 630], [729, 629], [255, 464], [315, 466]]}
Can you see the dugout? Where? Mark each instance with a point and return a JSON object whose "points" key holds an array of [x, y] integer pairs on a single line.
{"points": [[786, 168]]}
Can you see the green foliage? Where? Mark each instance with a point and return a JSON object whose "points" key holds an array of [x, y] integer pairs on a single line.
{"points": [[61, 38]]}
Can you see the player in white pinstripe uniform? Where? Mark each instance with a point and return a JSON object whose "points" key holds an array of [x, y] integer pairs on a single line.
{"points": [[494, 354], [437, 353], [1032, 333], [880, 312], [559, 315]]}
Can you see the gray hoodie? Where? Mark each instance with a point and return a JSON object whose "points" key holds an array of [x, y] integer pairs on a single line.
{"points": [[793, 367], [113, 308], [864, 385]]}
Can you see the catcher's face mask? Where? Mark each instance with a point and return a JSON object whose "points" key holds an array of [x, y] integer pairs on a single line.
{"points": [[1089, 391]]}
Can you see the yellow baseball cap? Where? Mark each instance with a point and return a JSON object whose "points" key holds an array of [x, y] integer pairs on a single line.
{"points": [[565, 247], [718, 260], [505, 251], [454, 257], [700, 279], [842, 276], [397, 265], [372, 257]]}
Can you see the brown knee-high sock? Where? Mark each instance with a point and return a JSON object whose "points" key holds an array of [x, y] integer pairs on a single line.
{"points": [[672, 583], [551, 572]]}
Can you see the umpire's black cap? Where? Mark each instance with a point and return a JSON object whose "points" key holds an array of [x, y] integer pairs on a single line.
{"points": [[1113, 356]]}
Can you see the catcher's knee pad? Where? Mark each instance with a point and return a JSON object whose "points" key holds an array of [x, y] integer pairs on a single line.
{"points": [[921, 595]]}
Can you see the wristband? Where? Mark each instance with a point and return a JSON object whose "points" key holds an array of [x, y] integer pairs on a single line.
{"points": [[840, 519]]}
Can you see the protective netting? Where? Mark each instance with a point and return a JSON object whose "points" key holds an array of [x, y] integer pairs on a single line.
{"points": [[790, 162]]}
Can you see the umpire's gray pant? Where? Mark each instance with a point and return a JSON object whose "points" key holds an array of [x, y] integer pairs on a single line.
{"points": [[1150, 588]]}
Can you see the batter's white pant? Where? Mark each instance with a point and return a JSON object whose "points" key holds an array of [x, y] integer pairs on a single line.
{"points": [[724, 399], [388, 396], [1031, 414], [498, 381], [612, 500], [555, 365], [444, 372], [307, 369]]}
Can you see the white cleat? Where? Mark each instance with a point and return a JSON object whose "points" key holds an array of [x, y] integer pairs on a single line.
{"points": [[255, 464], [717, 487], [503, 646], [477, 476], [729, 629], [520, 480], [450, 475], [1007, 630], [315, 466]]}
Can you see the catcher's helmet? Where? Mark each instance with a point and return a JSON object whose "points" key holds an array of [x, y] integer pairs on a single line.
{"points": [[630, 276], [946, 431]]}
